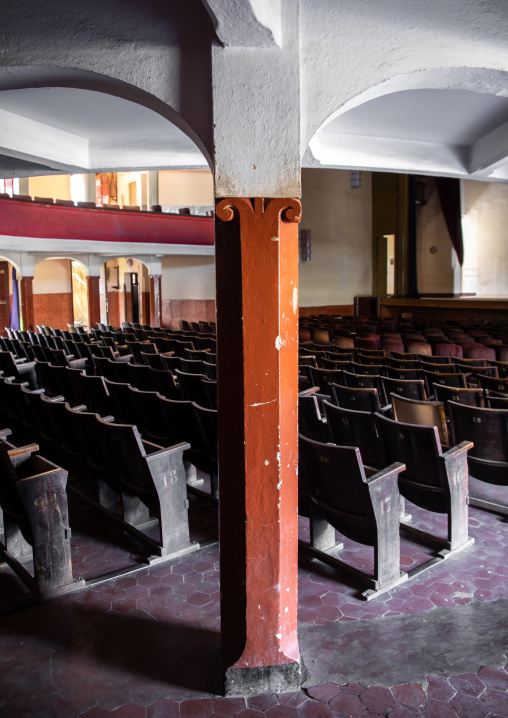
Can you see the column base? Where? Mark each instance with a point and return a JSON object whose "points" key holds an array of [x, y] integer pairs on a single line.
{"points": [[265, 679]]}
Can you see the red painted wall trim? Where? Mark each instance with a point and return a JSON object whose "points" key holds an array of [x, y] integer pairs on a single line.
{"points": [[27, 219]]}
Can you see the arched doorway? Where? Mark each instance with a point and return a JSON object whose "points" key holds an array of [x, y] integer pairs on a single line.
{"points": [[10, 299], [60, 292], [124, 291]]}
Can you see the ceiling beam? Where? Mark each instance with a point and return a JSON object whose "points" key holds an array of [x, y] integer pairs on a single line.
{"points": [[246, 23], [489, 152]]}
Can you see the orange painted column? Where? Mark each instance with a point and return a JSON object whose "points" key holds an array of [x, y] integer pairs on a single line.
{"points": [[257, 325], [27, 303], [94, 305], [155, 300]]}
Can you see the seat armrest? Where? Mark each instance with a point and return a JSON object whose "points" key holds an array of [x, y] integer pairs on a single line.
{"points": [[309, 392], [461, 448], [23, 451], [394, 469], [177, 448]]}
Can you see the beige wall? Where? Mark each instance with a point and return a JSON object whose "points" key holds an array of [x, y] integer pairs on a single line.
{"points": [[186, 188], [52, 276], [188, 277], [341, 223], [437, 260], [485, 229], [55, 186]]}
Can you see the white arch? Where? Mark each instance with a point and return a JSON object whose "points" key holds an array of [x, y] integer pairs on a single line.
{"points": [[478, 79]]}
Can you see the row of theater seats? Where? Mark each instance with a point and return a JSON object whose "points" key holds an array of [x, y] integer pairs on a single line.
{"points": [[134, 471], [484, 341], [149, 405]]}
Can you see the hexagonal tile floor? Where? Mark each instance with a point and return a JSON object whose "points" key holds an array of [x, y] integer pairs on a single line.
{"points": [[146, 644]]}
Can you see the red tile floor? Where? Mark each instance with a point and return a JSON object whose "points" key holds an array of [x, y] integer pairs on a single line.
{"points": [[146, 644]]}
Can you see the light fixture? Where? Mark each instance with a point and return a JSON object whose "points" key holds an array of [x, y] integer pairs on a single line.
{"points": [[355, 179]]}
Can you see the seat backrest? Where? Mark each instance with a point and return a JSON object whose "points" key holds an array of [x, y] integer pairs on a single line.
{"points": [[10, 501], [164, 383], [335, 477], [410, 388], [486, 428], [418, 447], [424, 413], [122, 402], [309, 418], [493, 383], [366, 381], [451, 379], [324, 377], [358, 399], [347, 427], [469, 396]]}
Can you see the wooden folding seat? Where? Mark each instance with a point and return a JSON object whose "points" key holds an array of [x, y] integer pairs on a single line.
{"points": [[404, 374], [336, 365], [122, 404], [439, 367], [148, 416], [406, 356], [210, 370], [197, 354], [448, 379], [469, 396], [182, 419], [152, 481], [337, 354], [473, 372], [36, 521], [493, 383], [47, 438], [165, 383], [410, 388], [357, 501], [97, 397], [192, 387], [211, 392], [402, 363], [24, 371], [347, 427], [141, 376], [207, 424], [192, 366], [423, 413], [356, 398], [324, 377], [433, 480], [179, 347], [494, 400], [502, 368], [367, 369], [365, 381], [310, 423], [14, 403], [488, 459]]}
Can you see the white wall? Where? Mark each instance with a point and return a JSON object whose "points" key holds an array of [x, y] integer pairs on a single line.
{"points": [[485, 229], [341, 223], [188, 277], [186, 188]]}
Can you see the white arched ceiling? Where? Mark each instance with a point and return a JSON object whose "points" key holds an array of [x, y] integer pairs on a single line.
{"points": [[77, 130], [451, 122]]}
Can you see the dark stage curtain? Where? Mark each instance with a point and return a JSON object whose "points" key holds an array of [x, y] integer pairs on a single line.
{"points": [[449, 195]]}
